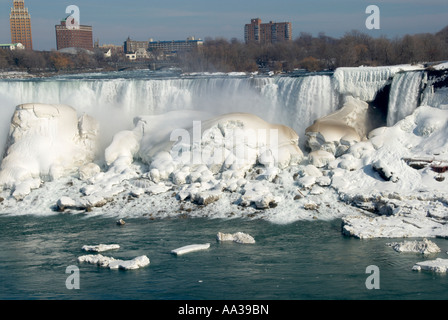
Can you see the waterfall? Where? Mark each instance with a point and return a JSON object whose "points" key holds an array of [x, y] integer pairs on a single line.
{"points": [[404, 95], [292, 101]]}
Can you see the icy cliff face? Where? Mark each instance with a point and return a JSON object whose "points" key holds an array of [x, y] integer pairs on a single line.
{"points": [[46, 142], [364, 82]]}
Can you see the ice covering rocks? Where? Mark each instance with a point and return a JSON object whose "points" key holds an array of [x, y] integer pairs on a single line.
{"points": [[386, 182], [338, 131], [46, 142]]}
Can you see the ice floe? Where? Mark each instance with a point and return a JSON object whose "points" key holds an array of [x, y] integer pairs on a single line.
{"points": [[438, 265], [100, 247], [424, 246], [238, 237], [190, 248], [114, 264]]}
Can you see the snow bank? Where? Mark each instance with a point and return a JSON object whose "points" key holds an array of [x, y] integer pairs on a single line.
{"points": [[45, 142]]}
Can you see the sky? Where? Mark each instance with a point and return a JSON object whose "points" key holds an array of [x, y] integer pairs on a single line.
{"points": [[114, 21]]}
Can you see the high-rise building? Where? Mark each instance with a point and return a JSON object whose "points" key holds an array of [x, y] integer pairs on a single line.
{"points": [[79, 37], [264, 33], [20, 21]]}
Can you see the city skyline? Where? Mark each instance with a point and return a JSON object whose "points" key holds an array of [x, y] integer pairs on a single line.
{"points": [[177, 19]]}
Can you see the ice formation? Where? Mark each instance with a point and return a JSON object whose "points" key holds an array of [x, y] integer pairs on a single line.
{"points": [[209, 145], [45, 142]]}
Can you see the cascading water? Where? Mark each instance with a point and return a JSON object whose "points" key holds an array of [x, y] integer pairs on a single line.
{"points": [[404, 95], [292, 101]]}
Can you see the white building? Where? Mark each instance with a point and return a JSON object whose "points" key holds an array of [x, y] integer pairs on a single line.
{"points": [[12, 46]]}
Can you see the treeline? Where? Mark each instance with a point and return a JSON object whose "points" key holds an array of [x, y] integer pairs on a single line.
{"points": [[317, 53], [52, 61], [313, 53]]}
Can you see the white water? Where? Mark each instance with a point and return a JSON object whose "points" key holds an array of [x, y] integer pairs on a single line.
{"points": [[295, 102], [404, 95]]}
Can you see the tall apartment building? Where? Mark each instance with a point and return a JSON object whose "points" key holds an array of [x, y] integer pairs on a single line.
{"points": [[264, 33], [20, 22], [81, 37]]}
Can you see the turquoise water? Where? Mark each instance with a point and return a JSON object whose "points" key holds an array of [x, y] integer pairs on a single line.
{"points": [[304, 260]]}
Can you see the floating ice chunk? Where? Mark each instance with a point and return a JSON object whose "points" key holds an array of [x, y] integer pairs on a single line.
{"points": [[111, 263], [238, 237], [190, 248], [97, 259], [100, 247], [425, 246], [439, 265], [136, 263]]}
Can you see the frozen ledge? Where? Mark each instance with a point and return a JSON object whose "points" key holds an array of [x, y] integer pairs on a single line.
{"points": [[190, 248]]}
